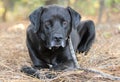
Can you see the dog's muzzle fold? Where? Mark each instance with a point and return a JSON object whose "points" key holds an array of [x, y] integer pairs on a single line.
{"points": [[55, 44]]}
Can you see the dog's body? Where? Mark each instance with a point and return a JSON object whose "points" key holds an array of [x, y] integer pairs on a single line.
{"points": [[48, 34]]}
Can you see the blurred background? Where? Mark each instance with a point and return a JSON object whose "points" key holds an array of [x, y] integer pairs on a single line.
{"points": [[101, 11], [104, 55]]}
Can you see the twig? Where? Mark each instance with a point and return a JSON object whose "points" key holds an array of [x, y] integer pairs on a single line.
{"points": [[62, 75], [105, 75], [73, 53]]}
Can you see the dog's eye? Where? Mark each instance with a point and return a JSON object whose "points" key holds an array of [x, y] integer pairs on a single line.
{"points": [[65, 23], [47, 24]]}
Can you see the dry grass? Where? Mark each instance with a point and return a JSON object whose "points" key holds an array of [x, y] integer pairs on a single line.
{"points": [[104, 55]]}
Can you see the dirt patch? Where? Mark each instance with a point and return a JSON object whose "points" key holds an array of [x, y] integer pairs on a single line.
{"points": [[104, 55]]}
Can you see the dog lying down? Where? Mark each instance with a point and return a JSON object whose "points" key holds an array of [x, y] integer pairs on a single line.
{"points": [[48, 38]]}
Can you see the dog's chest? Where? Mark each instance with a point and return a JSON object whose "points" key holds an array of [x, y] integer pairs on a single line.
{"points": [[47, 55]]}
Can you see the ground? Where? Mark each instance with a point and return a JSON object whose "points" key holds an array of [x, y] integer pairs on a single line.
{"points": [[104, 55]]}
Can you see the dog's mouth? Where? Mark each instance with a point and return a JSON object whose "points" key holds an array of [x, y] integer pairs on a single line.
{"points": [[56, 45]]}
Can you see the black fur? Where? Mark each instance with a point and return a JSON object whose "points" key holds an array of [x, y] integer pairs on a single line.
{"points": [[47, 37]]}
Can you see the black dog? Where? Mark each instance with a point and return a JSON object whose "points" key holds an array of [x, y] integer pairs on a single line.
{"points": [[48, 34]]}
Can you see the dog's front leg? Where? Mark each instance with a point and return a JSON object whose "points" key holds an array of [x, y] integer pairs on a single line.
{"points": [[64, 60], [37, 63]]}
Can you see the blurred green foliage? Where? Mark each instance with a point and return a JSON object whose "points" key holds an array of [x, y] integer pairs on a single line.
{"points": [[109, 3], [114, 5], [88, 7], [20, 9]]}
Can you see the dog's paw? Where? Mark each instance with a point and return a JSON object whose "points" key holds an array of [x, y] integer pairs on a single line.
{"points": [[50, 75], [30, 71], [62, 67], [59, 68]]}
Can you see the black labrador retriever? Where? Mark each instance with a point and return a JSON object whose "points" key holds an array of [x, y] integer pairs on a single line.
{"points": [[48, 34]]}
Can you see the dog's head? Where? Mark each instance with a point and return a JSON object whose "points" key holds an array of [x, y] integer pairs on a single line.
{"points": [[53, 24]]}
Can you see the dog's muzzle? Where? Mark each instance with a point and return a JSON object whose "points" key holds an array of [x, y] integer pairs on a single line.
{"points": [[57, 42]]}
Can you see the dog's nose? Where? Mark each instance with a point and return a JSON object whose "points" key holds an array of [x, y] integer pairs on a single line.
{"points": [[58, 37]]}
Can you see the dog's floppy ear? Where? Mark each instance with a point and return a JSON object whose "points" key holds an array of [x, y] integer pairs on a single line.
{"points": [[75, 17], [35, 18]]}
